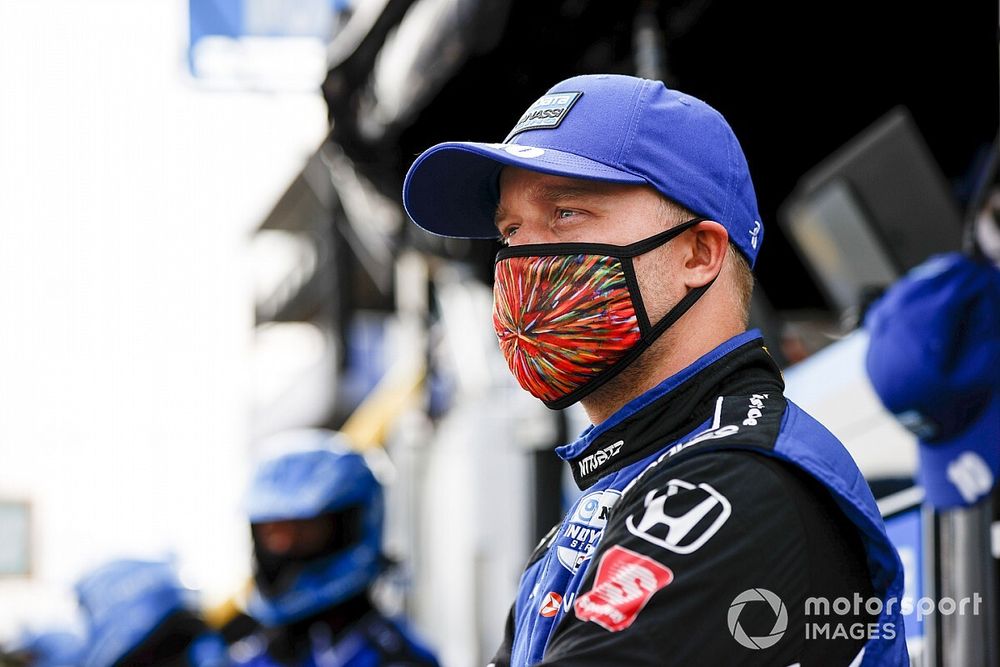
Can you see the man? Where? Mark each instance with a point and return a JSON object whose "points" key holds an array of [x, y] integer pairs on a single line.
{"points": [[139, 614], [934, 360], [316, 521], [717, 517]]}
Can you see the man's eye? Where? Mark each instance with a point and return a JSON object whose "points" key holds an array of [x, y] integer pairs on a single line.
{"points": [[506, 234]]}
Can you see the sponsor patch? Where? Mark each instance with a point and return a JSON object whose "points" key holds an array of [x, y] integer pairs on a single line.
{"points": [[580, 534], [680, 522], [755, 410], [546, 113], [550, 605], [591, 463], [754, 233], [715, 434], [624, 583]]}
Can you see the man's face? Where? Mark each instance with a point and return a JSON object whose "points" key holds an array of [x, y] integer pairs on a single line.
{"points": [[541, 208], [300, 538]]}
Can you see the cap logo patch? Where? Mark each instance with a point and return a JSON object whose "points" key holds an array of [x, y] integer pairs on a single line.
{"points": [[754, 233], [523, 151], [546, 113]]}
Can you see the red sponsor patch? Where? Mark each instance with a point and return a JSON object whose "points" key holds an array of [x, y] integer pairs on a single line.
{"points": [[624, 583], [550, 605]]}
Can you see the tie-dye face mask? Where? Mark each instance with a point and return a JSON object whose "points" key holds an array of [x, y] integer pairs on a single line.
{"points": [[569, 316]]}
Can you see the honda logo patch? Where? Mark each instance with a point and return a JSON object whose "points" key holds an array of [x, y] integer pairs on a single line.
{"points": [[682, 517]]}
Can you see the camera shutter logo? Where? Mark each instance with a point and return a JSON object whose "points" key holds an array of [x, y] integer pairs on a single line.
{"points": [[780, 621]]}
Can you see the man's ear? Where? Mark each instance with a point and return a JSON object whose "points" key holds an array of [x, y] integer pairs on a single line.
{"points": [[708, 243]]}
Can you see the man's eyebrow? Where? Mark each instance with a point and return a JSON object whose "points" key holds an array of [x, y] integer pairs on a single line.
{"points": [[555, 193], [499, 215]]}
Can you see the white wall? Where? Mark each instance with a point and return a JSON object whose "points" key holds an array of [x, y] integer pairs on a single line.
{"points": [[833, 386], [126, 198]]}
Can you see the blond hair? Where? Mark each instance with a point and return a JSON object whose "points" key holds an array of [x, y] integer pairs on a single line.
{"points": [[739, 273]]}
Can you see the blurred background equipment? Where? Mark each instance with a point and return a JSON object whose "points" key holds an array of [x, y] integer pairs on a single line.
{"points": [[873, 210], [15, 538], [262, 44]]}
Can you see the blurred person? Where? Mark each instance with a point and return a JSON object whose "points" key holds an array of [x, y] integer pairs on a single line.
{"points": [[316, 519], [934, 361], [49, 648], [139, 614], [714, 510]]}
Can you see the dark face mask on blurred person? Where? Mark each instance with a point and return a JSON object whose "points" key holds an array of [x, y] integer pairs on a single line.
{"points": [[281, 547]]}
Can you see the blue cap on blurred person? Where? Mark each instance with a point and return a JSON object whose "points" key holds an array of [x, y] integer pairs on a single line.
{"points": [[306, 483], [50, 648], [124, 601], [934, 360], [602, 127]]}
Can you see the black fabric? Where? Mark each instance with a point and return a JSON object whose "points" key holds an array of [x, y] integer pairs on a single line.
{"points": [[748, 370], [167, 644], [391, 645], [769, 526], [784, 534], [291, 644], [274, 574]]}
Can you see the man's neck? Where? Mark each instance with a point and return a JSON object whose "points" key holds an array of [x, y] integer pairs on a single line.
{"points": [[671, 353]]}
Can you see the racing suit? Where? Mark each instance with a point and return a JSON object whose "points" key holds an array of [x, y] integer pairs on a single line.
{"points": [[716, 518], [372, 641]]}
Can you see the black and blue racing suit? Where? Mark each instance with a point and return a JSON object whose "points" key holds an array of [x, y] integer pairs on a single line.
{"points": [[719, 524]]}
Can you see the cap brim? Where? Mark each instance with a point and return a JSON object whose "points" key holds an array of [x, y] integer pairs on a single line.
{"points": [[452, 189], [962, 470]]}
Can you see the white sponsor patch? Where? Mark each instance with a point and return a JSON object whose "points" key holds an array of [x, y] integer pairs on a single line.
{"points": [[755, 410], [524, 151], [591, 463], [754, 233], [579, 536], [971, 476], [696, 520]]}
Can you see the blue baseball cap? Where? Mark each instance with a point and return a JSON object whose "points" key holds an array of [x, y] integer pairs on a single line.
{"points": [[50, 648], [603, 127], [305, 484], [934, 361], [124, 601]]}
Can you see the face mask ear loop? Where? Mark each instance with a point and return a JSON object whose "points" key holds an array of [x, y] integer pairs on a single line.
{"points": [[628, 268], [633, 289], [682, 307], [672, 316]]}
